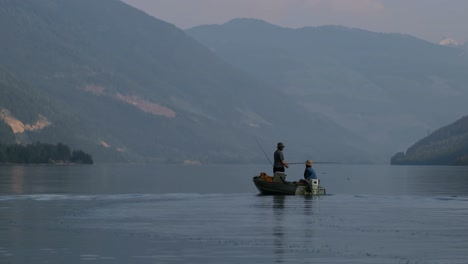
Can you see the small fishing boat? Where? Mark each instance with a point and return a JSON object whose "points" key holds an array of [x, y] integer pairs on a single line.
{"points": [[278, 185]]}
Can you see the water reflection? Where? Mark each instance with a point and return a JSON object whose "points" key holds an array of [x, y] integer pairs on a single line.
{"points": [[278, 228], [308, 215], [438, 180], [293, 224], [341, 179], [17, 179]]}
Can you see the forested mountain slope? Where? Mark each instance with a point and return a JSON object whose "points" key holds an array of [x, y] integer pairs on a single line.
{"points": [[27, 115], [133, 87], [446, 146]]}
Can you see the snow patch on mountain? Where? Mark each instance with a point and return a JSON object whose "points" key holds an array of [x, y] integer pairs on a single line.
{"points": [[450, 42]]}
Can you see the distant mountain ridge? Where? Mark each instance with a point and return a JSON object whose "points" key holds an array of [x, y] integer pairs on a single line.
{"points": [[125, 86], [446, 146], [387, 88]]}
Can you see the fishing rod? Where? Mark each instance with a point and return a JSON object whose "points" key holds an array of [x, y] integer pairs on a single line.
{"points": [[264, 152], [315, 162]]}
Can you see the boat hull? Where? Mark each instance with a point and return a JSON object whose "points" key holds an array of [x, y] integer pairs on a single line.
{"points": [[286, 188], [274, 187]]}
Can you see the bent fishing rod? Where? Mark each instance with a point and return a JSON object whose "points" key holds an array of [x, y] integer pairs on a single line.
{"points": [[264, 152]]}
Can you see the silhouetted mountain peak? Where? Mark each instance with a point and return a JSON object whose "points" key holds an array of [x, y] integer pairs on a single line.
{"points": [[248, 22], [248, 25]]}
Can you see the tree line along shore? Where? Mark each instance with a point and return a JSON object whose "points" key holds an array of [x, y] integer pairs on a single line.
{"points": [[42, 153]]}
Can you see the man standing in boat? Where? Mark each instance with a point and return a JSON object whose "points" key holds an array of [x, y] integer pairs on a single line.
{"points": [[279, 164]]}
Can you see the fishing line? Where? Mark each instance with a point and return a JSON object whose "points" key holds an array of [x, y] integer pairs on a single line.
{"points": [[264, 152]]}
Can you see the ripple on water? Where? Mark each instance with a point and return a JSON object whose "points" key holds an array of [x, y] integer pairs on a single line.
{"points": [[104, 197], [246, 227]]}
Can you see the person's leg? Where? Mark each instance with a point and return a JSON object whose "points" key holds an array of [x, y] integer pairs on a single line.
{"points": [[277, 170]]}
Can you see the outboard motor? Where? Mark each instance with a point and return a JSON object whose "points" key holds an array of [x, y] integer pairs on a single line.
{"points": [[314, 186]]}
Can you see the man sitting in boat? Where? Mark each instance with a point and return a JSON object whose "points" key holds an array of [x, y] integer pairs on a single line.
{"points": [[309, 174]]}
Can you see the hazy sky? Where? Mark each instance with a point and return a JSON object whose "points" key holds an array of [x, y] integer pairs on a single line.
{"points": [[428, 19]]}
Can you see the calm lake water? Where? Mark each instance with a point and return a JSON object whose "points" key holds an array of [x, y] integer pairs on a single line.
{"points": [[213, 214]]}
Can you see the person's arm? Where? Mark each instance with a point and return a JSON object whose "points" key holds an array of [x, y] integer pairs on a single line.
{"points": [[282, 160]]}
